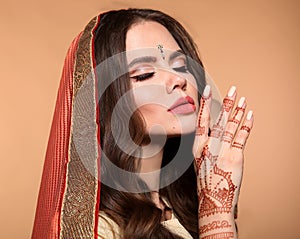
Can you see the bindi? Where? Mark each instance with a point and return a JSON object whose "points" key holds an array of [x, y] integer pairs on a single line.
{"points": [[160, 48]]}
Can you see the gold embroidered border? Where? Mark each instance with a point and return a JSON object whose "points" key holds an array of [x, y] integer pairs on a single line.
{"points": [[80, 196]]}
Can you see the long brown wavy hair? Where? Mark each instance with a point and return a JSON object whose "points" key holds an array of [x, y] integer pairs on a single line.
{"points": [[136, 213]]}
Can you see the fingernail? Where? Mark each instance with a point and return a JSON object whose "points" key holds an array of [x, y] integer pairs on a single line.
{"points": [[231, 91], [206, 91], [249, 115], [241, 102]]}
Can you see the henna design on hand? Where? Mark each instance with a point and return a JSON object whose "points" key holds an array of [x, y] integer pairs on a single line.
{"points": [[234, 118], [237, 145], [227, 104], [227, 136], [205, 153], [221, 235], [217, 130], [214, 225], [246, 128], [218, 199], [234, 122], [219, 169], [200, 129]]}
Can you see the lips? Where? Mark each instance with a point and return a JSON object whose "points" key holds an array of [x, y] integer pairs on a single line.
{"points": [[183, 105]]}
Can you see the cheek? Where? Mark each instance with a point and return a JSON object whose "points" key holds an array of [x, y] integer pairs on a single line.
{"points": [[156, 118], [143, 97], [188, 123], [154, 114], [152, 103], [159, 121], [149, 96], [192, 91]]}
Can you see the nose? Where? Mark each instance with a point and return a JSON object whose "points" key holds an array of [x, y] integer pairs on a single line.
{"points": [[175, 82]]}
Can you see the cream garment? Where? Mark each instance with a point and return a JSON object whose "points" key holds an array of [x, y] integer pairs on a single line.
{"points": [[108, 229]]}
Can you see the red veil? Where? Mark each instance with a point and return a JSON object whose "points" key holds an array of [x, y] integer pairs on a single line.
{"points": [[69, 196]]}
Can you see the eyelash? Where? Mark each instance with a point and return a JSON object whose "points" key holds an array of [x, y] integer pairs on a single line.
{"points": [[182, 69], [142, 77]]}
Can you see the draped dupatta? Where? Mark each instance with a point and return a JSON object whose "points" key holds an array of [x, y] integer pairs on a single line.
{"points": [[69, 196]]}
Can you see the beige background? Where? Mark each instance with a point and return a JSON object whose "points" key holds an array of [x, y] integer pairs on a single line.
{"points": [[252, 44]]}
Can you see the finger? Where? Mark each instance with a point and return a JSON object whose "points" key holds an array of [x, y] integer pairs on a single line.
{"points": [[243, 133], [228, 102], [204, 166], [200, 167], [204, 112], [234, 121], [203, 120]]}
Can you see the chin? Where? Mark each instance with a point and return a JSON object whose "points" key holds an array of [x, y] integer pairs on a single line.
{"points": [[180, 132]]}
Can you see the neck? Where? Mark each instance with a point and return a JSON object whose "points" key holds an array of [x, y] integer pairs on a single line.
{"points": [[150, 166]]}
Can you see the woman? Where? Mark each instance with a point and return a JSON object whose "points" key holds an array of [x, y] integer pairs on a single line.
{"points": [[143, 69]]}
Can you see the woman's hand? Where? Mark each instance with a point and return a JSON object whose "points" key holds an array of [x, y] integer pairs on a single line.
{"points": [[219, 162]]}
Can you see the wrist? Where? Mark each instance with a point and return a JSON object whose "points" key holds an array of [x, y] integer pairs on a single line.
{"points": [[218, 225]]}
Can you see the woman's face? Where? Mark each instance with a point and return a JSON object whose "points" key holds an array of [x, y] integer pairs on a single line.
{"points": [[164, 91]]}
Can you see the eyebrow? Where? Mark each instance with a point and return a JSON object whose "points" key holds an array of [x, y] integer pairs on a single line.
{"points": [[176, 54], [144, 59], [152, 59]]}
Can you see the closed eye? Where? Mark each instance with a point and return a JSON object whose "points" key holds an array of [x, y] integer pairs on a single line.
{"points": [[143, 77], [182, 69]]}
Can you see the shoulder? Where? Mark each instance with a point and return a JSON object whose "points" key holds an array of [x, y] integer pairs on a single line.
{"points": [[176, 227], [107, 228], [173, 225]]}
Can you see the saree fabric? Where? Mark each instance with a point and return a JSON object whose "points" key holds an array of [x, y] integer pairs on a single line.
{"points": [[69, 196]]}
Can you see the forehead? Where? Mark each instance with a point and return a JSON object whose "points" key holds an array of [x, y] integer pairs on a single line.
{"points": [[149, 34]]}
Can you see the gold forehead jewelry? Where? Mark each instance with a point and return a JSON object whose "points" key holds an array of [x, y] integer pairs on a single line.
{"points": [[160, 48]]}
